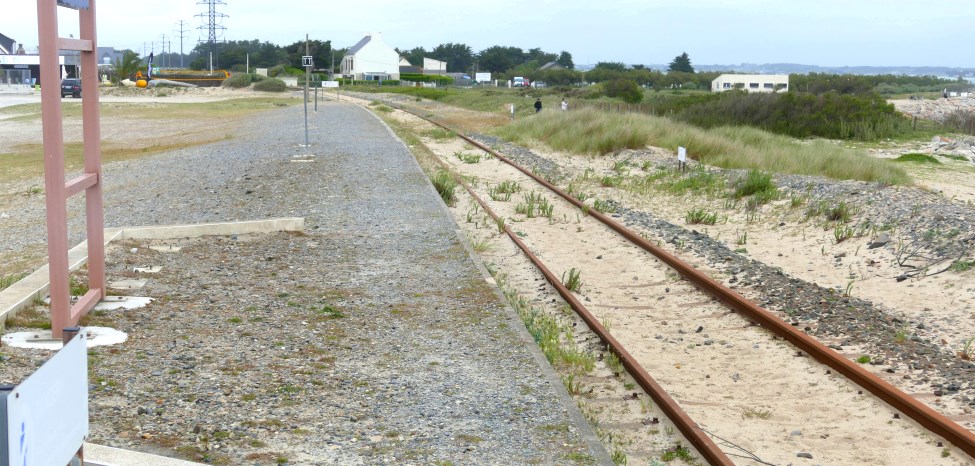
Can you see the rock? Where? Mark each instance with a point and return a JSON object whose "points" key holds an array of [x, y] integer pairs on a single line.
{"points": [[879, 241], [804, 455]]}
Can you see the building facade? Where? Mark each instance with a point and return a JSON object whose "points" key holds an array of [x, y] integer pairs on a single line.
{"points": [[371, 59], [751, 82]]}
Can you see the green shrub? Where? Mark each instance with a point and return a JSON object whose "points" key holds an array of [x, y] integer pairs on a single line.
{"points": [[625, 89], [270, 85], [237, 81], [756, 182], [919, 158], [445, 185]]}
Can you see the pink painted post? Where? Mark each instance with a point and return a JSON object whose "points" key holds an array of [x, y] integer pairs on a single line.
{"points": [[57, 190], [93, 155], [54, 189]]}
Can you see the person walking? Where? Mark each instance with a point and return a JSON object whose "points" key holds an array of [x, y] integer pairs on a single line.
{"points": [[538, 105]]}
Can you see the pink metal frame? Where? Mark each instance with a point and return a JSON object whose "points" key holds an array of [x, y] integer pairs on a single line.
{"points": [[63, 314]]}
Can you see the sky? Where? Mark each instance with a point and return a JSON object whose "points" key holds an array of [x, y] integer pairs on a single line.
{"points": [[810, 32]]}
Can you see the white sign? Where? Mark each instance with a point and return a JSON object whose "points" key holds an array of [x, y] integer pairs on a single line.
{"points": [[47, 414], [306, 60], [76, 4], [330, 84], [681, 154], [482, 77], [24, 60]]}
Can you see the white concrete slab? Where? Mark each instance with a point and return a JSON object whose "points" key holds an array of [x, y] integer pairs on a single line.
{"points": [[100, 455], [165, 248], [133, 284], [150, 269], [41, 339], [111, 303]]}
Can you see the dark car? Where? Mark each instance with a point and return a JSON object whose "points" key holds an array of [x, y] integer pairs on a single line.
{"points": [[71, 87]]}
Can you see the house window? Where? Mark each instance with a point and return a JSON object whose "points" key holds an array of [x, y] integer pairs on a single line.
{"points": [[753, 85], [769, 86], [726, 85]]}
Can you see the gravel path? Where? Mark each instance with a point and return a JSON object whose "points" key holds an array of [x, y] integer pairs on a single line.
{"points": [[369, 338]]}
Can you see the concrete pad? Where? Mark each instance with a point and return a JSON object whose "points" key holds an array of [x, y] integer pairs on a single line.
{"points": [[165, 248], [150, 269], [99, 455], [41, 339], [111, 303], [127, 284]]}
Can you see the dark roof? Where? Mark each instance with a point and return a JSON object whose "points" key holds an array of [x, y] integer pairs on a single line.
{"points": [[551, 66], [410, 69], [359, 45], [6, 45]]}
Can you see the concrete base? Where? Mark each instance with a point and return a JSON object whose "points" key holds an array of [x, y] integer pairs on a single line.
{"points": [[41, 339], [99, 455]]}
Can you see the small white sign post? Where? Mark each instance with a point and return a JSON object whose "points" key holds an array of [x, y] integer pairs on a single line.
{"points": [[681, 158], [45, 417]]}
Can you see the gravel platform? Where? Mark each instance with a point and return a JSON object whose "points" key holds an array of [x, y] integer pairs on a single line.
{"points": [[370, 338]]}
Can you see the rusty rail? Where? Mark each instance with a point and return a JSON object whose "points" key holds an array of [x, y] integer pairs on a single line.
{"points": [[694, 434], [893, 396]]}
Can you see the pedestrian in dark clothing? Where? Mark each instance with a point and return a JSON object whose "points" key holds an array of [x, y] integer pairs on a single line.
{"points": [[538, 105]]}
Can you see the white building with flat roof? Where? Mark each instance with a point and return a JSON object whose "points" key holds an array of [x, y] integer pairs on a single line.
{"points": [[751, 82]]}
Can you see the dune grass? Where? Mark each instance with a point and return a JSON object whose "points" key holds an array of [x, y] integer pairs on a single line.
{"points": [[589, 131]]}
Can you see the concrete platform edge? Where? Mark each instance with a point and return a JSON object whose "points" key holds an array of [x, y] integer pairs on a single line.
{"points": [[575, 415]]}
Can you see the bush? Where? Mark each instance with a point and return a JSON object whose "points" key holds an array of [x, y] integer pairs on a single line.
{"points": [[237, 81], [625, 89], [270, 85]]}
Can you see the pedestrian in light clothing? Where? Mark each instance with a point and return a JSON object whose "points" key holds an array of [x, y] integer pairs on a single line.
{"points": [[565, 105], [538, 105]]}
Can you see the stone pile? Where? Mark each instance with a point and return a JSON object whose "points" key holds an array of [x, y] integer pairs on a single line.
{"points": [[937, 109]]}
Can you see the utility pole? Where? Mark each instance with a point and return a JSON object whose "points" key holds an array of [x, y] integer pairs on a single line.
{"points": [[306, 62], [182, 34], [163, 53]]}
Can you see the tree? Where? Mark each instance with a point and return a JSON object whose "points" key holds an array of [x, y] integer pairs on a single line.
{"points": [[320, 51], [537, 55], [127, 66], [625, 89], [415, 55], [498, 59], [459, 57], [565, 60], [682, 63], [611, 66]]}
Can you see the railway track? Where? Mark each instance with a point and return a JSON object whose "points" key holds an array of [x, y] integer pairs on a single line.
{"points": [[703, 341]]}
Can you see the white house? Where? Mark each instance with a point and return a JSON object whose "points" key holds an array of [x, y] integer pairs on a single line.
{"points": [[751, 82], [371, 59]]}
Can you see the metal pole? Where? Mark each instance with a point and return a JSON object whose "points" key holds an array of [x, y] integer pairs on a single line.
{"points": [[307, 70]]}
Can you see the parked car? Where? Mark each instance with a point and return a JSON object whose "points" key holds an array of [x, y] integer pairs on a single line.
{"points": [[71, 87], [539, 84]]}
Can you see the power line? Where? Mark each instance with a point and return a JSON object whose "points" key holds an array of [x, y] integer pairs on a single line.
{"points": [[181, 35]]}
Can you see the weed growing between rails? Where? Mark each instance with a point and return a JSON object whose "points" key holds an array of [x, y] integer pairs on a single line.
{"points": [[581, 365]]}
